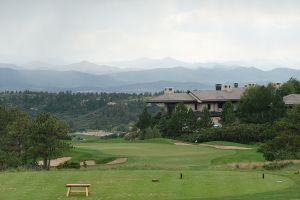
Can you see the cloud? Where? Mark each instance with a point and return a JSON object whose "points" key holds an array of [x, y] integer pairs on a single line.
{"points": [[207, 30]]}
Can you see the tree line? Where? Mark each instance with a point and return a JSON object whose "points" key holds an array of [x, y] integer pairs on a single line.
{"points": [[23, 142], [106, 111]]}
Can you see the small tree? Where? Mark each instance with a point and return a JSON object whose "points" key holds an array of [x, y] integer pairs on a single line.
{"points": [[228, 115], [47, 138], [144, 120]]}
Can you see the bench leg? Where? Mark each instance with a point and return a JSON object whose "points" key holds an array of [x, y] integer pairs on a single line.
{"points": [[86, 191], [68, 192]]}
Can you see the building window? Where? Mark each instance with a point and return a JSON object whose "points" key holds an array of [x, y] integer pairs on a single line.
{"points": [[208, 106], [220, 105], [196, 106]]}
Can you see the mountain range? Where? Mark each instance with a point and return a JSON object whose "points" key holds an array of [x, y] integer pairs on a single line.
{"points": [[86, 76]]}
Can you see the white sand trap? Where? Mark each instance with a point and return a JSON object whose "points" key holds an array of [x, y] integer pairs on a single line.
{"points": [[56, 162], [117, 161], [226, 147], [88, 162], [182, 144]]}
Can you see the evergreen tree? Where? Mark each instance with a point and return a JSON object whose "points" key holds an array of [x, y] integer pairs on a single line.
{"points": [[145, 120], [278, 108], [205, 120], [227, 115], [47, 138]]}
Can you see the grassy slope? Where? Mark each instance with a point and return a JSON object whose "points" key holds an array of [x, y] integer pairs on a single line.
{"points": [[154, 159]]}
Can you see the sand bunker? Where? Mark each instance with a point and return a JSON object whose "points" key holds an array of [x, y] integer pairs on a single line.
{"points": [[215, 146], [226, 147], [88, 162], [117, 161], [56, 162], [182, 144]]}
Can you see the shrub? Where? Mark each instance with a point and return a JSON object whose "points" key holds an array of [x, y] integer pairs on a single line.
{"points": [[152, 133], [69, 165], [131, 135]]}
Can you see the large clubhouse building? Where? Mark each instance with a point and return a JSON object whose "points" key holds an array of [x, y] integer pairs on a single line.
{"points": [[212, 99], [198, 100]]}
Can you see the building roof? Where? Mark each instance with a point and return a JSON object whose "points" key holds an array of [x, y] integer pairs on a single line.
{"points": [[219, 95], [200, 96], [292, 99], [172, 98]]}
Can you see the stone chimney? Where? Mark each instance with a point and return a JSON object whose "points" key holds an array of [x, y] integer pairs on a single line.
{"points": [[168, 90], [227, 87]]}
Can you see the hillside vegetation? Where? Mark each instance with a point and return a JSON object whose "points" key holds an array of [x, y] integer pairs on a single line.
{"points": [[106, 111]]}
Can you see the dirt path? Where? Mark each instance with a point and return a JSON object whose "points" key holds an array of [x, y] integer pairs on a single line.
{"points": [[57, 161], [117, 161]]}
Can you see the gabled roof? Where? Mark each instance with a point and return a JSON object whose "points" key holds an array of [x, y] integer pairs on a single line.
{"points": [[292, 99], [200, 96]]}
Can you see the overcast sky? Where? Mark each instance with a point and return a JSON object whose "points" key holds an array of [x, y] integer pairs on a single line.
{"points": [[66, 31]]}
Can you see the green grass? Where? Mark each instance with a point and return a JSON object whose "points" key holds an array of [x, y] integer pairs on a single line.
{"points": [[155, 159], [80, 154]]}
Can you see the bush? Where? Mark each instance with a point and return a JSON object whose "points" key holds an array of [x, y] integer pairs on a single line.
{"points": [[132, 135], [150, 133], [69, 165], [241, 133], [284, 146], [276, 165]]}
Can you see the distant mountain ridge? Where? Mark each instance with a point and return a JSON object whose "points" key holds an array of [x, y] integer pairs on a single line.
{"points": [[13, 77]]}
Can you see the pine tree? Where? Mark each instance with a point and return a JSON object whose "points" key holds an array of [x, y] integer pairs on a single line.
{"points": [[144, 120], [205, 120], [227, 115]]}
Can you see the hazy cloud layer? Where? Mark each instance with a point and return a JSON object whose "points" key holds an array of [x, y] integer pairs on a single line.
{"points": [[60, 31]]}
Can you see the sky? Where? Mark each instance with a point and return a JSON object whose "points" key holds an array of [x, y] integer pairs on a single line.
{"points": [[234, 31]]}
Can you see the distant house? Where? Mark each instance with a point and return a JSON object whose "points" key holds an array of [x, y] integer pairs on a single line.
{"points": [[291, 100], [198, 100]]}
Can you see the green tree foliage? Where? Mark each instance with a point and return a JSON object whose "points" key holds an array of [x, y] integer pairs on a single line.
{"points": [[287, 143], [292, 86], [47, 135], [260, 104], [205, 120], [14, 129], [145, 120], [277, 107], [227, 115], [83, 111], [181, 121], [285, 146]]}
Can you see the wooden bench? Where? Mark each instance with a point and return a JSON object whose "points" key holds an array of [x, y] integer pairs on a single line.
{"points": [[86, 186]]}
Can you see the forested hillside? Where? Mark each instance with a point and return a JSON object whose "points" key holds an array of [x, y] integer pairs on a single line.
{"points": [[105, 111]]}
